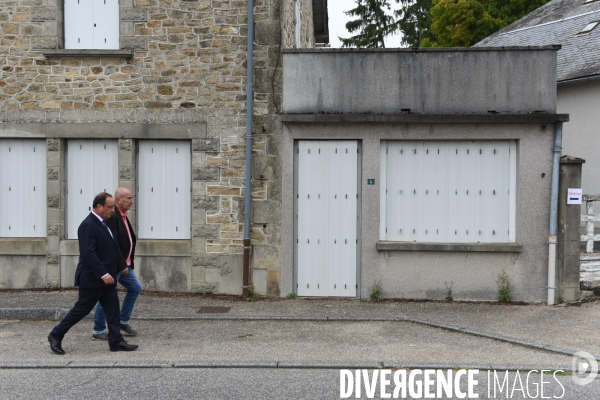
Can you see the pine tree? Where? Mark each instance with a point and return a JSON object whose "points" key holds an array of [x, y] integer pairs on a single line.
{"points": [[373, 24], [414, 21]]}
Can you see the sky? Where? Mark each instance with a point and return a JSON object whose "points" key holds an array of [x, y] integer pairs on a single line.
{"points": [[337, 22]]}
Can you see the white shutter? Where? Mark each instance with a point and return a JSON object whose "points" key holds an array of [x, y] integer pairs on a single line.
{"points": [[22, 188], [164, 189], [79, 24], [106, 24], [449, 191], [92, 167], [91, 24]]}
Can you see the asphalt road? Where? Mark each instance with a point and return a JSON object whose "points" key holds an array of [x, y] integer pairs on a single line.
{"points": [[390, 343], [234, 383], [285, 349]]}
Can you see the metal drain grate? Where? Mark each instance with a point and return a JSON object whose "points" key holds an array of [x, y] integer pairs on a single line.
{"points": [[214, 310]]}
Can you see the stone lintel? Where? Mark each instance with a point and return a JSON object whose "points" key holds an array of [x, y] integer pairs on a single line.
{"points": [[103, 130]]}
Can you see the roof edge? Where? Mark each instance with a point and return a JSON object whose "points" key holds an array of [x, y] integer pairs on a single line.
{"points": [[425, 118], [578, 79], [423, 50]]}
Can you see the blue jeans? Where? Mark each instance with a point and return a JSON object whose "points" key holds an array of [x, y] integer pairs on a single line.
{"points": [[134, 287]]}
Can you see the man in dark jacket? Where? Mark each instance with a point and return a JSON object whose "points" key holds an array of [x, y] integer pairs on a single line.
{"points": [[123, 231], [95, 275]]}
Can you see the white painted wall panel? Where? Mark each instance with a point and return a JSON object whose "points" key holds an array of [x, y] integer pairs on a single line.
{"points": [[313, 193], [432, 190], [449, 191], [164, 189], [22, 188], [327, 218], [92, 167], [342, 218], [79, 24], [106, 24]]}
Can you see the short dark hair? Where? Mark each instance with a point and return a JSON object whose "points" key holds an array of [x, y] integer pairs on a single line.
{"points": [[100, 199]]}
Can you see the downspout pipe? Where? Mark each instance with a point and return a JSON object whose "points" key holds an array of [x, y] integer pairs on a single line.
{"points": [[249, 109], [552, 239]]}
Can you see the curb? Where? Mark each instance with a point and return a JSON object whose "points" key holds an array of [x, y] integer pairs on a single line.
{"points": [[45, 313], [59, 313], [271, 365]]}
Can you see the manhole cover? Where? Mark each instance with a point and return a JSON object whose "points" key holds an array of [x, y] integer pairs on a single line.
{"points": [[214, 310]]}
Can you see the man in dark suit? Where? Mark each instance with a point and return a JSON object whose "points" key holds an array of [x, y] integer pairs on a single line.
{"points": [[95, 276], [123, 231]]}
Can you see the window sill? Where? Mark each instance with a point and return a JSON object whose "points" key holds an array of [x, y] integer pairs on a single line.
{"points": [[33, 246], [456, 247], [144, 247], [56, 53], [163, 247]]}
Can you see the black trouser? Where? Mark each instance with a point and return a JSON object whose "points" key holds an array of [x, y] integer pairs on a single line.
{"points": [[88, 297]]}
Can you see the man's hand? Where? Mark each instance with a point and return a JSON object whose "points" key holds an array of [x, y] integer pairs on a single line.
{"points": [[108, 280], [125, 271]]}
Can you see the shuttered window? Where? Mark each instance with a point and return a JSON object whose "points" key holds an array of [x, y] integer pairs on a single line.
{"points": [[22, 188], [92, 167], [164, 189], [91, 24], [448, 191]]}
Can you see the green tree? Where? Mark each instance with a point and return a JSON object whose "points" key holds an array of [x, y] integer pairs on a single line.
{"points": [[461, 23], [373, 24], [414, 21]]}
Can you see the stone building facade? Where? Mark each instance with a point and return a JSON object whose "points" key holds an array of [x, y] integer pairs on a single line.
{"points": [[179, 73]]}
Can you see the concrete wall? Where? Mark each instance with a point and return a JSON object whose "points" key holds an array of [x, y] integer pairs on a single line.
{"points": [[423, 274], [580, 136], [436, 81], [378, 95], [22, 263]]}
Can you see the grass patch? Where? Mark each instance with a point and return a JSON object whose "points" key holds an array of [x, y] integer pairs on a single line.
{"points": [[504, 292], [376, 291], [292, 296]]}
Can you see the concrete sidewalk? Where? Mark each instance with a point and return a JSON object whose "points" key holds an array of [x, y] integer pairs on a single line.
{"points": [[348, 332]]}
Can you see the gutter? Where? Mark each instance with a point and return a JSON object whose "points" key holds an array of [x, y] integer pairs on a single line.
{"points": [[552, 239], [575, 80], [249, 109]]}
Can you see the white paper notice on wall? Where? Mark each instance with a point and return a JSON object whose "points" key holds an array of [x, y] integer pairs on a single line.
{"points": [[574, 196]]}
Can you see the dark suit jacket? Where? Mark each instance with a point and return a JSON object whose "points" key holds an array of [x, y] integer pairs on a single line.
{"points": [[117, 226], [98, 254]]}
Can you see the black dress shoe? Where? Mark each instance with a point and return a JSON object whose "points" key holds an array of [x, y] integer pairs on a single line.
{"points": [[55, 345], [124, 346]]}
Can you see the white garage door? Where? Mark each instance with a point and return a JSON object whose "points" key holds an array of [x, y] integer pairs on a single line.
{"points": [[327, 213]]}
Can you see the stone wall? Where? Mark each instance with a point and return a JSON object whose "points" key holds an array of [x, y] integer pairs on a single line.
{"points": [[188, 66]]}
